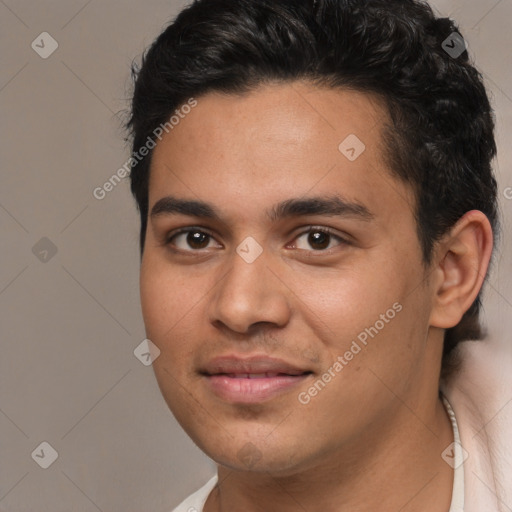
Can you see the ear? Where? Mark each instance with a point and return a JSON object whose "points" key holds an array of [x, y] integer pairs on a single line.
{"points": [[460, 265]]}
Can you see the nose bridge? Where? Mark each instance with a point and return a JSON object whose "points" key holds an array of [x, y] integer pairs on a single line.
{"points": [[249, 293]]}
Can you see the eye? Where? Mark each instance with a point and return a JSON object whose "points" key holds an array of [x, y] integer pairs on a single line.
{"points": [[189, 239], [195, 239], [319, 239]]}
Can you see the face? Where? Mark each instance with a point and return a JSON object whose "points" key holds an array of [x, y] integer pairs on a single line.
{"points": [[279, 248]]}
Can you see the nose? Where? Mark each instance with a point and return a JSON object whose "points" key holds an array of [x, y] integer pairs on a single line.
{"points": [[249, 294]]}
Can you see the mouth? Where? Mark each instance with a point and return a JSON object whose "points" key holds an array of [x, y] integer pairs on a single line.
{"points": [[251, 380], [252, 388], [265, 375]]}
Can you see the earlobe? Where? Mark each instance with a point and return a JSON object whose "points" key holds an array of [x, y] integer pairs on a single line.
{"points": [[463, 258]]}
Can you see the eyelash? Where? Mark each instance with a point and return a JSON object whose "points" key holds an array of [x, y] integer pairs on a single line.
{"points": [[311, 229]]}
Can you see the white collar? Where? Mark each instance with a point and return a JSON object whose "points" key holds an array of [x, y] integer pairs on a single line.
{"points": [[457, 462]]}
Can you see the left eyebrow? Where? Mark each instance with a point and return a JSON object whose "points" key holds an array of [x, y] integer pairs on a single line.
{"points": [[335, 206], [297, 207]]}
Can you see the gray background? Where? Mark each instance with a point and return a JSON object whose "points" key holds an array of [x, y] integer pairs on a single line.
{"points": [[70, 321]]}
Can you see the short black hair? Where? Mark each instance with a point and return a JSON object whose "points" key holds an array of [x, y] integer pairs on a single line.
{"points": [[440, 134]]}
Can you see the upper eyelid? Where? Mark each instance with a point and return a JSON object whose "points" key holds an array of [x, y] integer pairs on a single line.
{"points": [[304, 231], [343, 239], [182, 231]]}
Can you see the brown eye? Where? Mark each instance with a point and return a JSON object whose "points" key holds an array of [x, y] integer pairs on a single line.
{"points": [[197, 239], [190, 240], [318, 239]]}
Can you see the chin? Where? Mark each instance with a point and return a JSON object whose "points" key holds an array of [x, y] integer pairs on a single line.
{"points": [[241, 454]]}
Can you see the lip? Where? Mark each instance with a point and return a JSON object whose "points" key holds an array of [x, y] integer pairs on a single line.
{"points": [[232, 364], [251, 380], [250, 391]]}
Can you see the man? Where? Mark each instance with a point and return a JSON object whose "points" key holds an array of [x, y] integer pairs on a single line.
{"points": [[318, 209]]}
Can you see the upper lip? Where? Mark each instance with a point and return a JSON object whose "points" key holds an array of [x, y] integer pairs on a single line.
{"points": [[256, 364]]}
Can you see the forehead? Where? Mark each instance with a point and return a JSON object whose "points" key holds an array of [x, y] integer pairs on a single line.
{"points": [[275, 142], [275, 115]]}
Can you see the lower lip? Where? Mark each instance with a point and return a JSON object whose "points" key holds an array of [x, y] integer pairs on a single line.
{"points": [[256, 390]]}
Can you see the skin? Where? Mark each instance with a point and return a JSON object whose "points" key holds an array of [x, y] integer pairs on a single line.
{"points": [[372, 438]]}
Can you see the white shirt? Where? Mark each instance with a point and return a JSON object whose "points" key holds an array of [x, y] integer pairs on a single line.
{"points": [[196, 501]]}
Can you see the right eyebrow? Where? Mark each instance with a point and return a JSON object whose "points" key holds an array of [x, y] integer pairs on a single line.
{"points": [[171, 205]]}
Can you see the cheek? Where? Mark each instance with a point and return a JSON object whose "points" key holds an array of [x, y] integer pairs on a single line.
{"points": [[166, 299], [155, 298], [380, 355], [344, 302], [167, 306], [368, 314]]}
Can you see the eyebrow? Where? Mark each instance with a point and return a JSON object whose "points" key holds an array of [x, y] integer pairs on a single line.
{"points": [[297, 207]]}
